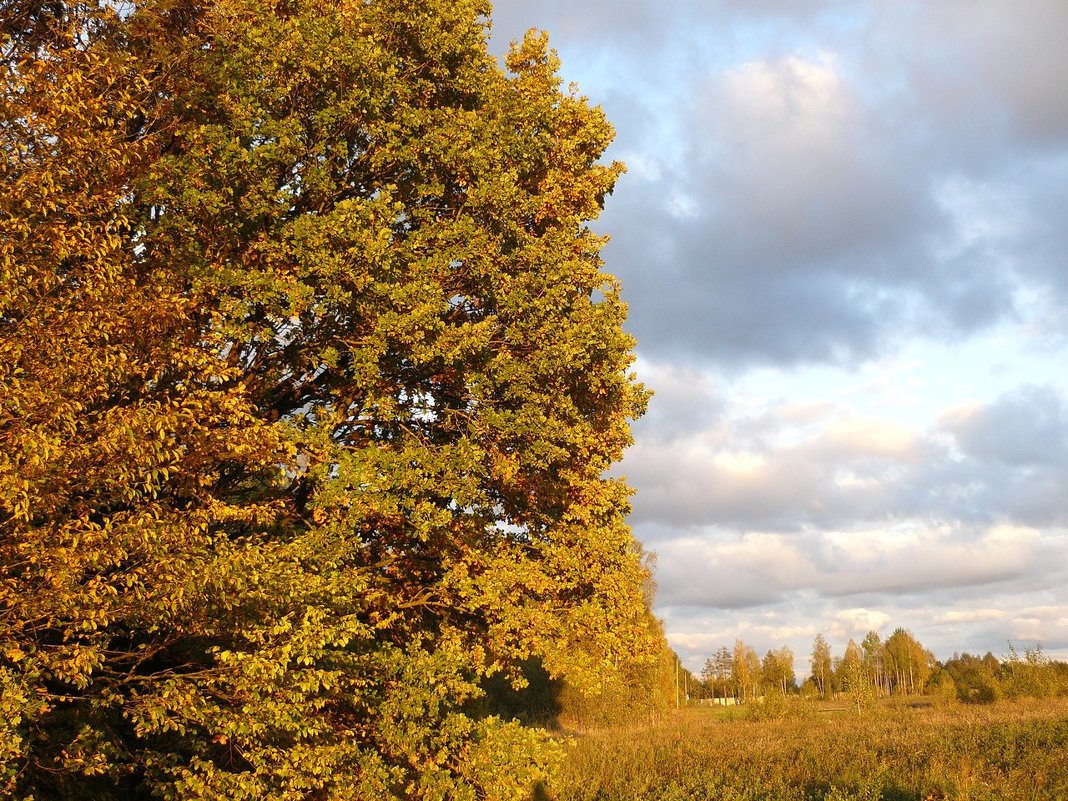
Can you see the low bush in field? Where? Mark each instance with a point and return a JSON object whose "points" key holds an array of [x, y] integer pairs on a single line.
{"points": [[896, 752]]}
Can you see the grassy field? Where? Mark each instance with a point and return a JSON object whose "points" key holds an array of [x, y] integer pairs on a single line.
{"points": [[814, 752]]}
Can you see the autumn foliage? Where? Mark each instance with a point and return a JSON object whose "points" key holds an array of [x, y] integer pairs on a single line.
{"points": [[310, 380]]}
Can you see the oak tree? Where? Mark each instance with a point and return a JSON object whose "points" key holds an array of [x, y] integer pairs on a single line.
{"points": [[311, 377]]}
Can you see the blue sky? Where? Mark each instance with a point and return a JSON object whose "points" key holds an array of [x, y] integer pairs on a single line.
{"points": [[843, 238]]}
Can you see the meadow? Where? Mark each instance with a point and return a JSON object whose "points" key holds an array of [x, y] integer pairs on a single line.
{"points": [[899, 750]]}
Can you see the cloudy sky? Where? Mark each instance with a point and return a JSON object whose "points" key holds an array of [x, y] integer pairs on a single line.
{"points": [[843, 238]]}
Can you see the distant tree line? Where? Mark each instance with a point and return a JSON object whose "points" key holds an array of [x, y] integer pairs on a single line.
{"points": [[874, 668], [742, 674]]}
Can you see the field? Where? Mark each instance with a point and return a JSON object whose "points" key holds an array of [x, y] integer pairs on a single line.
{"points": [[893, 752]]}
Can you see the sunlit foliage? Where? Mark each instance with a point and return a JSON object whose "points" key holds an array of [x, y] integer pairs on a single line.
{"points": [[310, 382]]}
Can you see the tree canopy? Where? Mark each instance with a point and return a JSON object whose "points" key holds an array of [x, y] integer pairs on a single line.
{"points": [[311, 378]]}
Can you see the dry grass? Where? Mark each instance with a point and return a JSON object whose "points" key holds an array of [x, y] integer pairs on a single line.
{"points": [[895, 752]]}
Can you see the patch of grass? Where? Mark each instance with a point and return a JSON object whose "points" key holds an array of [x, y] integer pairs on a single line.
{"points": [[905, 751]]}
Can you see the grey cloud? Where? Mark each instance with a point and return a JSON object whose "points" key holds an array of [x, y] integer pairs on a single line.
{"points": [[685, 400], [978, 492], [942, 562], [818, 182], [973, 617], [816, 236], [793, 214], [647, 23], [1015, 460], [721, 570], [827, 478], [794, 234], [719, 313], [1001, 65], [728, 572], [604, 23], [1028, 427], [1041, 190], [798, 163], [777, 471]]}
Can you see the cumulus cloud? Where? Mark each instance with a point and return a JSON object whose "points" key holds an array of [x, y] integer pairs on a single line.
{"points": [[999, 64], [795, 466], [787, 148], [819, 185], [858, 619], [729, 571], [797, 217], [685, 400], [800, 165], [785, 468], [1027, 427], [804, 504]]}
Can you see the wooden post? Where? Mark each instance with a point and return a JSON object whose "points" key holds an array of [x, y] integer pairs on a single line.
{"points": [[676, 681]]}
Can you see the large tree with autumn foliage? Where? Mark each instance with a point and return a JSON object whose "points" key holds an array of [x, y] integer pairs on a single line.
{"points": [[310, 380]]}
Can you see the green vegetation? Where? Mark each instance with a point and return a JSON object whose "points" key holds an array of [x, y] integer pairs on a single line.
{"points": [[821, 751], [311, 381], [983, 730], [310, 384], [876, 669]]}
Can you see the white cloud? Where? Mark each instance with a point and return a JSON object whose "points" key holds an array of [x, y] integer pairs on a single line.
{"points": [[858, 621], [969, 616], [842, 241], [717, 569], [872, 437]]}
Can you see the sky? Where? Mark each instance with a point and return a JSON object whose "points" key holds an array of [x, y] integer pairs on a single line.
{"points": [[843, 239]]}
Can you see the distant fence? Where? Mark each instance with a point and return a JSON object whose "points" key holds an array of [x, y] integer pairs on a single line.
{"points": [[713, 701]]}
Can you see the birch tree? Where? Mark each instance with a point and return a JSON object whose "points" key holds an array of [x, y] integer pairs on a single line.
{"points": [[821, 664]]}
